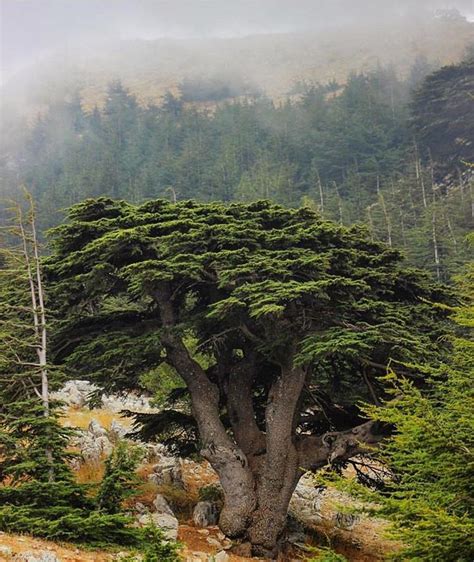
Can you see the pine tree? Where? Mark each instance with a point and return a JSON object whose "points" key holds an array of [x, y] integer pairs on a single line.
{"points": [[119, 479], [428, 461], [25, 406], [38, 494]]}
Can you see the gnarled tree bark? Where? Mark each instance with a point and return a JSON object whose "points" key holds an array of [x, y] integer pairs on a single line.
{"points": [[258, 468]]}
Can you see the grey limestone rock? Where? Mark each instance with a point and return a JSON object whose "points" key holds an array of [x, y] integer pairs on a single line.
{"points": [[205, 514]]}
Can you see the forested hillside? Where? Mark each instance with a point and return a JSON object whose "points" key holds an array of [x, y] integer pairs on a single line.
{"points": [[272, 63], [377, 149]]}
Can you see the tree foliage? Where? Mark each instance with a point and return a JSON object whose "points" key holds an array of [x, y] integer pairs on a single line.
{"points": [[432, 457], [120, 478], [295, 315], [429, 461], [440, 108]]}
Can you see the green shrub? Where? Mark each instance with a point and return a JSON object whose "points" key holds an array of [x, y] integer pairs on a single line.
{"points": [[158, 549], [68, 524], [120, 479], [327, 555], [210, 493]]}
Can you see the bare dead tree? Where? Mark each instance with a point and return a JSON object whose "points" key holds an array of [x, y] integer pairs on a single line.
{"points": [[419, 177], [385, 213], [26, 230], [435, 245], [339, 203], [321, 195], [371, 221]]}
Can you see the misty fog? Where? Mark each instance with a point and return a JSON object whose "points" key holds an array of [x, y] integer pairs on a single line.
{"points": [[32, 29]]}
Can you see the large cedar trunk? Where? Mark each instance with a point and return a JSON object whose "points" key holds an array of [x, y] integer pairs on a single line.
{"points": [[258, 467], [255, 507], [269, 519], [260, 470]]}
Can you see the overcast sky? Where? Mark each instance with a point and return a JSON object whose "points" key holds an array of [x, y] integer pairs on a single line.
{"points": [[31, 28]]}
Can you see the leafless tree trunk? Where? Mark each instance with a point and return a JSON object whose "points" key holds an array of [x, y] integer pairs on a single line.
{"points": [[471, 195], [371, 221], [339, 203], [321, 195], [419, 177], [461, 183], [402, 227], [451, 231], [30, 247], [385, 213], [173, 193], [435, 245]]}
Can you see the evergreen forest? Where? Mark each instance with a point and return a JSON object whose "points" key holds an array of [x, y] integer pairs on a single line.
{"points": [[370, 150]]}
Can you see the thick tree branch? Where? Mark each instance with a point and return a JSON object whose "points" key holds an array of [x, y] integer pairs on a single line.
{"points": [[317, 451], [240, 406], [225, 457]]}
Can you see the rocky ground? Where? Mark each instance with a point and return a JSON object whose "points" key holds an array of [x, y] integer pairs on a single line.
{"points": [[170, 497], [197, 547]]}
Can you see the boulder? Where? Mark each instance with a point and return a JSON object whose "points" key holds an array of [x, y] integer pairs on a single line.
{"points": [[167, 472], [214, 542], [161, 505], [131, 401], [167, 523], [5, 551], [305, 505], [345, 520], [94, 443], [117, 431], [206, 514], [153, 452], [295, 532], [93, 448], [140, 508], [74, 393], [221, 556], [96, 429]]}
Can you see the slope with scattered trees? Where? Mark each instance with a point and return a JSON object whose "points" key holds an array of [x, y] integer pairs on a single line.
{"points": [[349, 151]]}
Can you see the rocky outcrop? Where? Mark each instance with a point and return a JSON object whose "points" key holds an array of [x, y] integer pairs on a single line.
{"points": [[93, 444], [167, 471], [167, 523], [160, 505], [205, 514], [161, 515], [77, 393], [324, 510], [117, 431]]}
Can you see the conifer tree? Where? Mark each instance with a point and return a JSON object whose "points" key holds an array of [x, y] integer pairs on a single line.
{"points": [[430, 457], [286, 306], [25, 408], [38, 494]]}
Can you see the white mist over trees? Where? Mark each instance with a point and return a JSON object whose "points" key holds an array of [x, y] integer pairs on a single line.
{"points": [[31, 29]]}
